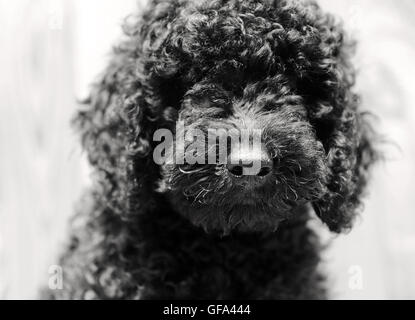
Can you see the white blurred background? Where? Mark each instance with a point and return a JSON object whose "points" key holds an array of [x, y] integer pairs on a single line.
{"points": [[52, 49]]}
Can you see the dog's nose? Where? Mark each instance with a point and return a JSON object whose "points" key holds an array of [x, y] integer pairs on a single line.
{"points": [[249, 162]]}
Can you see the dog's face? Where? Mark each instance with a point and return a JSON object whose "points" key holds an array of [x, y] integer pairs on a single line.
{"points": [[227, 196]]}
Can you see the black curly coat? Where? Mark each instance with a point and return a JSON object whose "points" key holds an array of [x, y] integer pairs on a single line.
{"points": [[147, 231]]}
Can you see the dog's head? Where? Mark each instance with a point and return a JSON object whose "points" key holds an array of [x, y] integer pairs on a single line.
{"points": [[277, 68]]}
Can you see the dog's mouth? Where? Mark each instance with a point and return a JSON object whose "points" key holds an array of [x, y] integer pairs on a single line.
{"points": [[219, 204]]}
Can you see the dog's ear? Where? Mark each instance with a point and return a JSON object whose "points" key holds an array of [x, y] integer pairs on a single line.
{"points": [[350, 154], [124, 109], [115, 134], [344, 131], [116, 124]]}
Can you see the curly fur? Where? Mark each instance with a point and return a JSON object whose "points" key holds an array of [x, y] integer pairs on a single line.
{"points": [[149, 232]]}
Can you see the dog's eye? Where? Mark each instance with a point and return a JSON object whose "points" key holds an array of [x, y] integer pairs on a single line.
{"points": [[216, 112], [269, 106], [216, 108]]}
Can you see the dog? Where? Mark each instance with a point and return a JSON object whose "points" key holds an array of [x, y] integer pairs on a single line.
{"points": [[208, 231]]}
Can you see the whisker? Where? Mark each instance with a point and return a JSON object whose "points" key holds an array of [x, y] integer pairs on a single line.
{"points": [[190, 171]]}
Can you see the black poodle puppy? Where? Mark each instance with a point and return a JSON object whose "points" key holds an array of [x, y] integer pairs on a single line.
{"points": [[150, 231]]}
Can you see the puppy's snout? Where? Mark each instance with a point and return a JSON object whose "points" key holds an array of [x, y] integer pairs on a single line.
{"points": [[250, 162]]}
